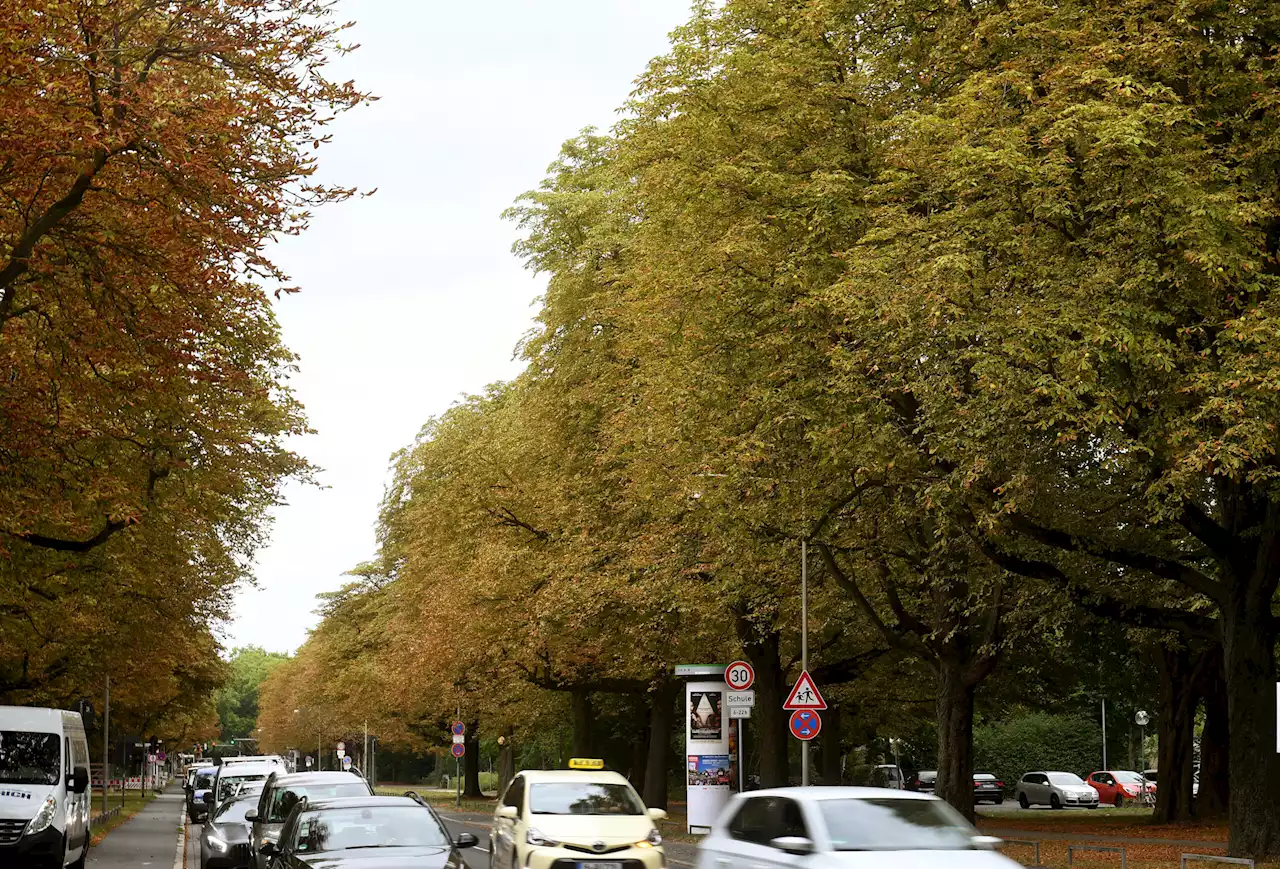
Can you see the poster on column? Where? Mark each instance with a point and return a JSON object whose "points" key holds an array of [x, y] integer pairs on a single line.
{"points": [[710, 772]]}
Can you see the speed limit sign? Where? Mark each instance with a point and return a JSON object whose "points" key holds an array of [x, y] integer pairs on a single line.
{"points": [[739, 675]]}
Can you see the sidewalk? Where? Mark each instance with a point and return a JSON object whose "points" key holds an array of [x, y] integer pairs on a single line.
{"points": [[153, 837]]}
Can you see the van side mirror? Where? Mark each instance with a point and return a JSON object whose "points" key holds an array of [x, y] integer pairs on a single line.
{"points": [[251, 815], [510, 813], [79, 780], [208, 798]]}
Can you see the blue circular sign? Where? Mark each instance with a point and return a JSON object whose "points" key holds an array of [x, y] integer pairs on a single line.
{"points": [[459, 728], [805, 724], [458, 749]]}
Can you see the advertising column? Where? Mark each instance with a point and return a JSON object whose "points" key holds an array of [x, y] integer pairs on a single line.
{"points": [[710, 773]]}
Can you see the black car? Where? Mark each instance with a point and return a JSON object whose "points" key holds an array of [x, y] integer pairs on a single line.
{"points": [[224, 839], [201, 782], [283, 791], [365, 833], [925, 781], [987, 787]]}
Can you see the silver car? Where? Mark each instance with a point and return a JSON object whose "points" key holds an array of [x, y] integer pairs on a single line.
{"points": [[1056, 790], [282, 792]]}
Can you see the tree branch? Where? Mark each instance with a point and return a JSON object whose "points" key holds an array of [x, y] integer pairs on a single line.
{"points": [[894, 638]]}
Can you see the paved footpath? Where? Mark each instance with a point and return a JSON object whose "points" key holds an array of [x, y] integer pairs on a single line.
{"points": [[153, 837]]}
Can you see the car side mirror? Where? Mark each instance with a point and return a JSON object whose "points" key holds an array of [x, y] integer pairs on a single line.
{"points": [[207, 798], [986, 843], [465, 840], [79, 780], [509, 813], [268, 849], [657, 814], [251, 815], [793, 844]]}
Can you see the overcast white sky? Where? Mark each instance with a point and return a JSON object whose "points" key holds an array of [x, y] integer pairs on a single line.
{"points": [[412, 298]]}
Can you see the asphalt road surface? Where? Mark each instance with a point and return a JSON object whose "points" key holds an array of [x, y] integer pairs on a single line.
{"points": [[682, 855], [153, 837]]}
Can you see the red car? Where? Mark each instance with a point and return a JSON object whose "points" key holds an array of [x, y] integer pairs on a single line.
{"points": [[1119, 786]]}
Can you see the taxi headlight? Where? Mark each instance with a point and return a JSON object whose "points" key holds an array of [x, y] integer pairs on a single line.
{"points": [[44, 817], [536, 839]]}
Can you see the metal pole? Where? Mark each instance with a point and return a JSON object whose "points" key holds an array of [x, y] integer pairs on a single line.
{"points": [[319, 752], [106, 757], [364, 758], [1104, 733], [457, 768], [804, 645], [742, 756]]}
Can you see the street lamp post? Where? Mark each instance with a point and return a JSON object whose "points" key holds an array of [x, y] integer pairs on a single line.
{"points": [[1141, 719]]}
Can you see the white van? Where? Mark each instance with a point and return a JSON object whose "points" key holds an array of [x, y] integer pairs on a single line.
{"points": [[44, 788]]}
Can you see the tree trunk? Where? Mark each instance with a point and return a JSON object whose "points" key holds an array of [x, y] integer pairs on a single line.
{"points": [[770, 719], [829, 742], [1215, 780], [1248, 637], [661, 722], [955, 737], [1176, 726], [506, 760], [582, 721], [471, 763], [638, 762]]}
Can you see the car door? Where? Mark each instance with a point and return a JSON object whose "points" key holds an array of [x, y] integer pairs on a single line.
{"points": [[1105, 784], [788, 821], [745, 844], [502, 839]]}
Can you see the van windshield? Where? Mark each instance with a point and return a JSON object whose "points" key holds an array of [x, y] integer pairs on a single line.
{"points": [[29, 758]]}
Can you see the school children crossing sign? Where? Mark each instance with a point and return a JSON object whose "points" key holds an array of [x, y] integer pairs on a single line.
{"points": [[804, 695]]}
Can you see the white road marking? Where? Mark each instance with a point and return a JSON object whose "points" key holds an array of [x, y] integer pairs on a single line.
{"points": [[179, 859]]}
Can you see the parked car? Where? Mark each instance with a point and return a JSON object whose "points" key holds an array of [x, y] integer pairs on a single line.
{"points": [[229, 775], [282, 791], [924, 781], [886, 775], [844, 828], [1119, 786], [44, 787], [386, 832], [1056, 790], [224, 838], [987, 788], [201, 784]]}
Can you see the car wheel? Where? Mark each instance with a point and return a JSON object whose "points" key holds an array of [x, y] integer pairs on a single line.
{"points": [[1022, 801], [1054, 802], [1119, 801]]}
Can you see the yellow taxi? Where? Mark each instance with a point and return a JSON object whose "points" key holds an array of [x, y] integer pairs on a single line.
{"points": [[584, 817]]}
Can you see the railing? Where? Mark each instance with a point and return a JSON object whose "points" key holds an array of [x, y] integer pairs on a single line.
{"points": [[1114, 849], [1212, 858], [1029, 842]]}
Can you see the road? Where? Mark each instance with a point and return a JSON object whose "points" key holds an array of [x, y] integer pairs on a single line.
{"points": [[679, 854]]}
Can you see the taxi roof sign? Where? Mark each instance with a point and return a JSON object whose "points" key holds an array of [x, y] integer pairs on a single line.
{"points": [[585, 763]]}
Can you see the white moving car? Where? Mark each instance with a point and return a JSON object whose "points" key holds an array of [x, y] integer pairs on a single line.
{"points": [[44, 788], [844, 828], [582, 818], [1056, 790]]}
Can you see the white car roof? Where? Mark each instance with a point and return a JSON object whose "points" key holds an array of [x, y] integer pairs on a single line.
{"points": [[840, 793], [256, 768]]}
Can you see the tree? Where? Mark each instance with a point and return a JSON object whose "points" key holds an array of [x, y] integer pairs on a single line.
{"points": [[238, 699]]}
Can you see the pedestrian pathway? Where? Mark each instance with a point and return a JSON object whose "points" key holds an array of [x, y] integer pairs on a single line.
{"points": [[153, 837]]}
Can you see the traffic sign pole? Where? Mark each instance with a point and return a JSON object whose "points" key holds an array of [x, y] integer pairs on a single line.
{"points": [[804, 646]]}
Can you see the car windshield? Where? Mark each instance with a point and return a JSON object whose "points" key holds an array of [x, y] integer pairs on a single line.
{"points": [[29, 758], [368, 827], [227, 784], [1128, 777], [927, 775], [204, 780], [284, 799], [1150, 775], [583, 798], [233, 811], [895, 825], [1065, 778]]}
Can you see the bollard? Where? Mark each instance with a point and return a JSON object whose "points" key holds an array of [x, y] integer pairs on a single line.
{"points": [[1124, 860], [1032, 842]]}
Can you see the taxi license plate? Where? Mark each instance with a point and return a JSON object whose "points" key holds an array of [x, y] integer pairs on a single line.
{"points": [[600, 864]]}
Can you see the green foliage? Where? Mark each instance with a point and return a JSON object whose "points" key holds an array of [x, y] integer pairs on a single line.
{"points": [[1037, 741], [238, 700]]}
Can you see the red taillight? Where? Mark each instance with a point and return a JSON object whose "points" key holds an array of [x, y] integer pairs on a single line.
{"points": [[999, 784]]}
